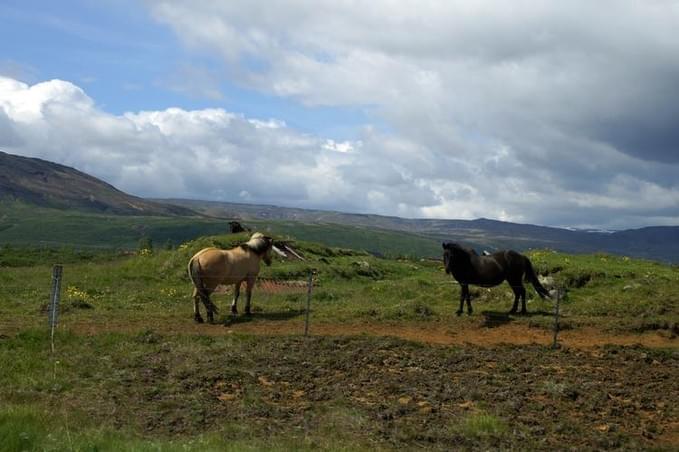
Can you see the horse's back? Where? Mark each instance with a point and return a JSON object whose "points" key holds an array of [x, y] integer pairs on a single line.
{"points": [[506, 257], [489, 270], [205, 253], [512, 262], [498, 266]]}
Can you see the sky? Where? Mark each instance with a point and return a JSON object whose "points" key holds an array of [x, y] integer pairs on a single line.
{"points": [[546, 112]]}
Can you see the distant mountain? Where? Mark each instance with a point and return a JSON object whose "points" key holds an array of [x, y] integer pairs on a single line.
{"points": [[659, 243], [48, 184], [38, 182]]}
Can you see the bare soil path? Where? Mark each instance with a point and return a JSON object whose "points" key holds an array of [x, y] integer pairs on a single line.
{"points": [[441, 333]]}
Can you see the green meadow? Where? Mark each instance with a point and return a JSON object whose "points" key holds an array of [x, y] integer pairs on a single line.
{"points": [[349, 285], [132, 371]]}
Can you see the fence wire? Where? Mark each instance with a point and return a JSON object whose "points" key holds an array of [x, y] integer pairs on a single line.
{"points": [[271, 286]]}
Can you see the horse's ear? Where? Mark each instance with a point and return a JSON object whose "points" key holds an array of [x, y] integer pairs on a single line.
{"points": [[445, 245]]}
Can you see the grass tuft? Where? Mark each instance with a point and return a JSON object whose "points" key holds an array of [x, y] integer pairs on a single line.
{"points": [[483, 424]]}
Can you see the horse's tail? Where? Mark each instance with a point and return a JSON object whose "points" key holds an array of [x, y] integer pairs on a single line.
{"points": [[533, 279], [195, 273]]}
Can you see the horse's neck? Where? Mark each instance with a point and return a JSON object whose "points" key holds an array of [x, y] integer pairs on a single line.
{"points": [[467, 269], [254, 259], [474, 261], [243, 255]]}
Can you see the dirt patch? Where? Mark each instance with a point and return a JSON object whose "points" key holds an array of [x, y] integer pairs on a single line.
{"points": [[173, 378], [514, 334], [392, 393], [425, 332]]}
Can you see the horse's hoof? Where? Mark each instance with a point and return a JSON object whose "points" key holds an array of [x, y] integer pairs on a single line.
{"points": [[198, 319], [513, 311], [248, 313], [234, 311], [458, 312], [469, 312], [524, 312]]}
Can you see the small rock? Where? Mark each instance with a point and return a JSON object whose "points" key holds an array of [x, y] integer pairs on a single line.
{"points": [[425, 407], [404, 400]]}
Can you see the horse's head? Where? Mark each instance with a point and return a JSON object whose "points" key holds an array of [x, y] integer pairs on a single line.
{"points": [[451, 254], [261, 245]]}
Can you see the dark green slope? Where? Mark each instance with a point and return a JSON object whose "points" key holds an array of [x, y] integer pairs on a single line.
{"points": [[46, 204], [42, 183]]}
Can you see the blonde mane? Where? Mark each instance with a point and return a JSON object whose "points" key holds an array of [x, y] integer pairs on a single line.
{"points": [[258, 243]]}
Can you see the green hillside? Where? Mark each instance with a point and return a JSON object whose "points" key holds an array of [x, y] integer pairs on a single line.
{"points": [[48, 204], [654, 242], [23, 224]]}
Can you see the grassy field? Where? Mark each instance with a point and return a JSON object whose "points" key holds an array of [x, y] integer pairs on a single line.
{"points": [[132, 371], [606, 291]]}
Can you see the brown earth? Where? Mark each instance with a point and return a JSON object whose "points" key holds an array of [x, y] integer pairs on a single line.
{"points": [[392, 394], [383, 391], [429, 332]]}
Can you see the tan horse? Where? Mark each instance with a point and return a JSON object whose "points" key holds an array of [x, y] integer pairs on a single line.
{"points": [[210, 267]]}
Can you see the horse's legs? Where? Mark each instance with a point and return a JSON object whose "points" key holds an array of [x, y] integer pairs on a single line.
{"points": [[517, 289], [464, 293], [469, 301], [210, 312], [523, 300], [196, 310], [209, 307], [248, 294], [236, 294]]}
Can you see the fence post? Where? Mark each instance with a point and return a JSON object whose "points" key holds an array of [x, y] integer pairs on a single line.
{"points": [[310, 283], [55, 297], [555, 343]]}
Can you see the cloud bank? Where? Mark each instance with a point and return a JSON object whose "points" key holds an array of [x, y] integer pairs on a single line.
{"points": [[543, 112], [206, 154]]}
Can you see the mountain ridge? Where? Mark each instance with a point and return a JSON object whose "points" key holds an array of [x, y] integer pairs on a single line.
{"points": [[50, 184], [47, 184], [653, 242]]}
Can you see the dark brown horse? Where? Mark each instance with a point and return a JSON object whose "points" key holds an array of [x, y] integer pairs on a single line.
{"points": [[467, 267]]}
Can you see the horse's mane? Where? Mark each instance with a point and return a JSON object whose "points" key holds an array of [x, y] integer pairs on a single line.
{"points": [[258, 243], [458, 247]]}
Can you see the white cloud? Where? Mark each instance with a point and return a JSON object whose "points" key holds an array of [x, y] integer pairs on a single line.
{"points": [[343, 146], [469, 136], [209, 154], [542, 108]]}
